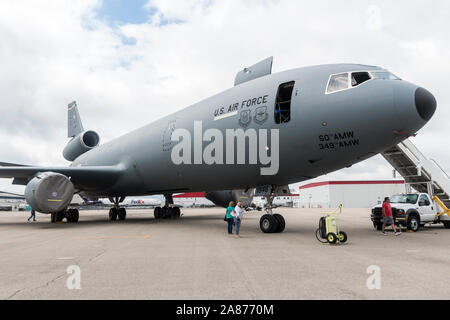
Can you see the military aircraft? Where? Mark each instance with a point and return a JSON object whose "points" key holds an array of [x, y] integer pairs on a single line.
{"points": [[267, 131]]}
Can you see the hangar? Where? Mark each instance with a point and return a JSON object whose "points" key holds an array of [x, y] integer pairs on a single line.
{"points": [[351, 194]]}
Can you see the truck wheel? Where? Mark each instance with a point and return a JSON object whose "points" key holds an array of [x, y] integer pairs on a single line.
{"points": [[446, 224], [413, 223], [331, 238], [378, 226]]}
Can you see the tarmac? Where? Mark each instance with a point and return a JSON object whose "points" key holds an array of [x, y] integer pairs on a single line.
{"points": [[194, 258]]}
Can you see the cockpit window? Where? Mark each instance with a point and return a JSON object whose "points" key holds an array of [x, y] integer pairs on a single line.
{"points": [[359, 77], [384, 75], [338, 82]]}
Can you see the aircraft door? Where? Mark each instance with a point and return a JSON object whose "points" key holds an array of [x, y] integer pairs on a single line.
{"points": [[282, 110]]}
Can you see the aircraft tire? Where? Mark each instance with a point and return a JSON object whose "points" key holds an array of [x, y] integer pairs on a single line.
{"points": [[60, 216], [268, 223], [176, 212], [122, 214], [72, 215], [112, 214], [157, 212], [165, 213], [446, 224], [53, 217], [281, 222]]}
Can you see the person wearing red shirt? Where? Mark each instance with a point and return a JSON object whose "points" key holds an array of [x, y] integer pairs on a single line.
{"points": [[387, 216]]}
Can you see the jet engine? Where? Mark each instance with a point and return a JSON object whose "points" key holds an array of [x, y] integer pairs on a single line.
{"points": [[49, 192], [222, 198], [80, 144]]}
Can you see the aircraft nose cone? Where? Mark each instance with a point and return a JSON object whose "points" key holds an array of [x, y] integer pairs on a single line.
{"points": [[425, 103]]}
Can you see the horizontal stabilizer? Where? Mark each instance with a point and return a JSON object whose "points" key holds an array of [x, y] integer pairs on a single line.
{"points": [[258, 70]]}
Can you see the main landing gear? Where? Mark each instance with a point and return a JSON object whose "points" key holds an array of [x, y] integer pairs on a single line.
{"points": [[168, 211], [271, 222], [71, 215], [117, 212]]}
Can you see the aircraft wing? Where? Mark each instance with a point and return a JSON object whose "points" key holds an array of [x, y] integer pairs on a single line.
{"points": [[83, 178]]}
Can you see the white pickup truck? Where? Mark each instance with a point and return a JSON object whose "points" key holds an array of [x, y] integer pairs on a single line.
{"points": [[412, 211]]}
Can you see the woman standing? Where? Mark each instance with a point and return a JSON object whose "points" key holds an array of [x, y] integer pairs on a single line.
{"points": [[229, 217]]}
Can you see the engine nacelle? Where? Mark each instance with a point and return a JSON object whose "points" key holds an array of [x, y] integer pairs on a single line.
{"points": [[222, 198], [82, 143], [49, 192]]}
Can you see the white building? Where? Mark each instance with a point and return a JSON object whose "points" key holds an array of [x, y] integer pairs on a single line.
{"points": [[351, 194]]}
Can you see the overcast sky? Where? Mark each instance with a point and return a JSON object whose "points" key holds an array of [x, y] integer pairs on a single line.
{"points": [[128, 63]]}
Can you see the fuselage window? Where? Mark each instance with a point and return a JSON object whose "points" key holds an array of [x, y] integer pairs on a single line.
{"points": [[359, 77], [338, 82], [283, 102]]}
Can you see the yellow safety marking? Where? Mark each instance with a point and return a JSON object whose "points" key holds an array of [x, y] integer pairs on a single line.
{"points": [[54, 200]]}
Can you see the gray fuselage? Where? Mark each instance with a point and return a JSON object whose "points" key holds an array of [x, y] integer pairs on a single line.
{"points": [[326, 132]]}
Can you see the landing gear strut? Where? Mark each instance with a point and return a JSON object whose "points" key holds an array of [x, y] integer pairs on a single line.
{"points": [[271, 222], [117, 212], [168, 211]]}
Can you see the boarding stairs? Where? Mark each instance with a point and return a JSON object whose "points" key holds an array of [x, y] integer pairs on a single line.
{"points": [[423, 174]]}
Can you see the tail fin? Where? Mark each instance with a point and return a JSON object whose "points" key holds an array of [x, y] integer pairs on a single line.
{"points": [[74, 125]]}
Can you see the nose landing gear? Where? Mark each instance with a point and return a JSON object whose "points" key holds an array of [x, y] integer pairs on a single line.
{"points": [[271, 222]]}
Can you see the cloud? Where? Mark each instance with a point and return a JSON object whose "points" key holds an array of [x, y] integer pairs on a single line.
{"points": [[126, 75]]}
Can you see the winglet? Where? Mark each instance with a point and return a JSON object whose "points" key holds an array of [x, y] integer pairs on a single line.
{"points": [[74, 125]]}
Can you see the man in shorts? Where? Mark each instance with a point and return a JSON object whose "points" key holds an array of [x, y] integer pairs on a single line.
{"points": [[387, 217]]}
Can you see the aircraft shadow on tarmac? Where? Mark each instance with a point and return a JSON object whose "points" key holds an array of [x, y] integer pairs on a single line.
{"points": [[43, 221]]}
